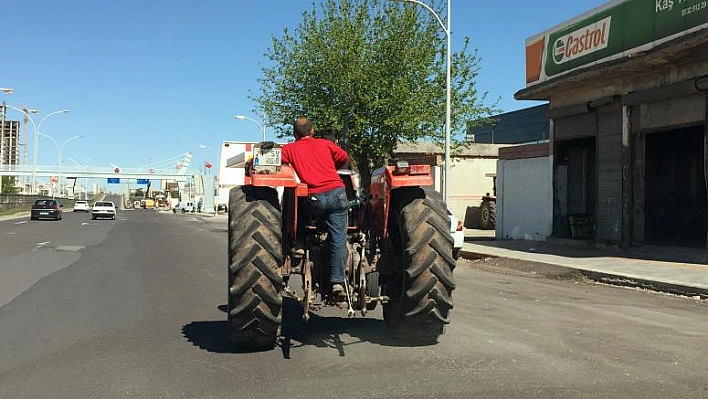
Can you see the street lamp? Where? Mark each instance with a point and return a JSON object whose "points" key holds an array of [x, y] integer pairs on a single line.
{"points": [[261, 126], [61, 151], [7, 90], [448, 108], [26, 113]]}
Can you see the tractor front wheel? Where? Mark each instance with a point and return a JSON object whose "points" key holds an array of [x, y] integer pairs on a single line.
{"points": [[255, 259]]}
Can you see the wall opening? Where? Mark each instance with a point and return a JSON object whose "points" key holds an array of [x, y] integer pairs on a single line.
{"points": [[574, 189], [676, 210]]}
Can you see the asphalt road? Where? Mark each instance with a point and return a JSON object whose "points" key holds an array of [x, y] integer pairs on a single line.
{"points": [[133, 308]]}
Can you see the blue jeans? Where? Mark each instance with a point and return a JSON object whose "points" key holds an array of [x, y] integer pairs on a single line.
{"points": [[333, 207]]}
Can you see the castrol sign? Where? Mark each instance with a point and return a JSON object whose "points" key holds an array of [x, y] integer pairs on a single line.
{"points": [[616, 30], [582, 42]]}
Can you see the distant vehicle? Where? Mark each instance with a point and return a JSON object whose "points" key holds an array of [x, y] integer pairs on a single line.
{"points": [[457, 231], [147, 203], [103, 209], [184, 207], [81, 206], [46, 209]]}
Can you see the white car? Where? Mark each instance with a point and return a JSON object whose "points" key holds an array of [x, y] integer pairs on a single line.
{"points": [[457, 230], [81, 206], [184, 207], [103, 209]]}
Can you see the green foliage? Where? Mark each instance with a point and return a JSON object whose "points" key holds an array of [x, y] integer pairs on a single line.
{"points": [[373, 69], [8, 185]]}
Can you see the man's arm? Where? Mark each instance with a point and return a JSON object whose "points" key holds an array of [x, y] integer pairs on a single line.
{"points": [[340, 157], [284, 154]]}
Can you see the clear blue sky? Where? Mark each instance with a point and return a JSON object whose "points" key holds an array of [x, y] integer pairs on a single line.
{"points": [[148, 80]]}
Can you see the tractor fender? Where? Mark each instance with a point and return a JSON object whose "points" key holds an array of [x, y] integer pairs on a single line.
{"points": [[383, 181]]}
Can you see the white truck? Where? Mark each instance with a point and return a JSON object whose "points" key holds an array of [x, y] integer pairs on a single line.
{"points": [[230, 177]]}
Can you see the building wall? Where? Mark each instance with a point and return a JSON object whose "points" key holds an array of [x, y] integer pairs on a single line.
{"points": [[469, 172], [525, 198], [470, 181]]}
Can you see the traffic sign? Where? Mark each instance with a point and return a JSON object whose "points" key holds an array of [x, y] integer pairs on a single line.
{"points": [[143, 181], [55, 179], [113, 180]]}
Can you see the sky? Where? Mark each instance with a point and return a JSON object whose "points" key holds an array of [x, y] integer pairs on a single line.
{"points": [[147, 81]]}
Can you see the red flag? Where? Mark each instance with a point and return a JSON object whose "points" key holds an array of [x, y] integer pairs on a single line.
{"points": [[208, 164]]}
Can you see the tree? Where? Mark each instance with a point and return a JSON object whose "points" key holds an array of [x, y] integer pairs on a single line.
{"points": [[373, 69], [8, 185]]}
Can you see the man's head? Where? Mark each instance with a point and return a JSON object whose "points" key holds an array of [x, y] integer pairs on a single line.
{"points": [[330, 134], [303, 128]]}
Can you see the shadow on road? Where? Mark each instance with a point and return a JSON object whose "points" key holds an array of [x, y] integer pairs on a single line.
{"points": [[330, 332], [208, 335]]}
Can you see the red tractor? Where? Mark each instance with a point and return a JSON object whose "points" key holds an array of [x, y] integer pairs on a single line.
{"points": [[399, 244]]}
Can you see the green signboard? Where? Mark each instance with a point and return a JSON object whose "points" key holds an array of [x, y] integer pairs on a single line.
{"points": [[611, 31]]}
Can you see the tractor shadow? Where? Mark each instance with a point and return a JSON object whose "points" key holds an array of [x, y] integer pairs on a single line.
{"points": [[328, 332]]}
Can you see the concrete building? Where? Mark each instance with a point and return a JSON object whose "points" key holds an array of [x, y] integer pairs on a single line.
{"points": [[9, 141], [626, 85]]}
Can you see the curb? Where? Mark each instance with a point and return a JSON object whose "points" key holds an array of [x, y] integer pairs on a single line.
{"points": [[602, 277]]}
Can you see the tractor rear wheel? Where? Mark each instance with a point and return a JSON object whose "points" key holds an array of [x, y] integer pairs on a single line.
{"points": [[255, 258], [488, 212], [420, 290]]}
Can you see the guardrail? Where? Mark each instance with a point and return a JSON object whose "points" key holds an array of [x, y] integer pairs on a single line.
{"points": [[14, 202]]}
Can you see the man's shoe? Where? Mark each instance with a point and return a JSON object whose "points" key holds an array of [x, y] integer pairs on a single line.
{"points": [[338, 291]]}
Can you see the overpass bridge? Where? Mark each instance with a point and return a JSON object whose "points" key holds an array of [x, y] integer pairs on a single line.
{"points": [[179, 175]]}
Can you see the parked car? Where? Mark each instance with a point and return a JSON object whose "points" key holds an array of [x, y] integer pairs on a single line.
{"points": [[457, 230], [103, 209], [184, 207], [81, 206], [46, 209]]}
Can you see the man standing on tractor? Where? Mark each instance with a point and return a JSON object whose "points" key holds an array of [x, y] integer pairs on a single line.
{"points": [[316, 162]]}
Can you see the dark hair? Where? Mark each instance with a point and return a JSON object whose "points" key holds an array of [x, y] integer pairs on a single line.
{"points": [[330, 134], [302, 127]]}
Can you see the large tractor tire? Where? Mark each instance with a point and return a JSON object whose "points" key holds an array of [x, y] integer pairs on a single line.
{"points": [[420, 289], [255, 258], [488, 215]]}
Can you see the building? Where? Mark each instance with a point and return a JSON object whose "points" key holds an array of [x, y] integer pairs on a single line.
{"points": [[627, 85], [9, 140], [472, 173], [529, 125]]}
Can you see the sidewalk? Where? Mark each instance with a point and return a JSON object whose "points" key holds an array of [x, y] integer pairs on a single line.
{"points": [[676, 270]]}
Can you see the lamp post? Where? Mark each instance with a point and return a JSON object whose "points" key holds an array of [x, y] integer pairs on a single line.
{"points": [[261, 126], [448, 108], [7, 90], [61, 151]]}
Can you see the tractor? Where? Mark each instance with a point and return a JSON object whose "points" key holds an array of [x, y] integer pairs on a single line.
{"points": [[488, 206], [398, 241]]}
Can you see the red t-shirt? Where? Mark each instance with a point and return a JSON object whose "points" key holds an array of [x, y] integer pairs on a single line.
{"points": [[316, 162]]}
